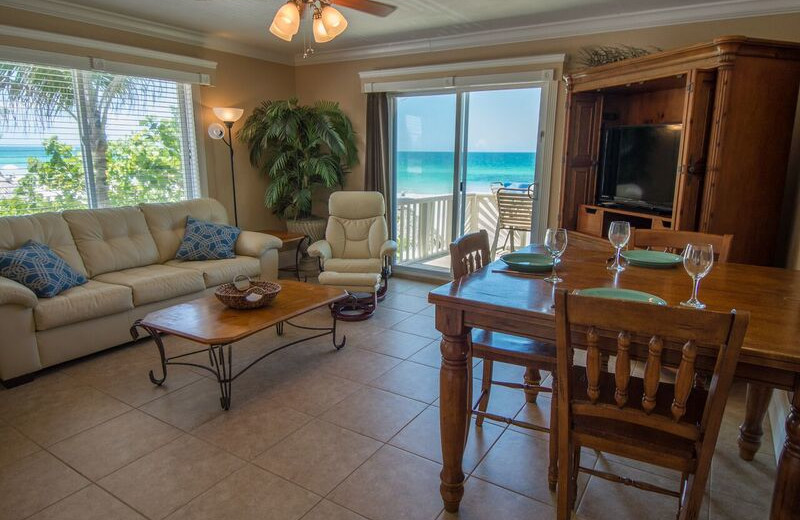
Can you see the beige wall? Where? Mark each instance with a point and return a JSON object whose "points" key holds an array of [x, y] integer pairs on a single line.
{"points": [[239, 81], [340, 82]]}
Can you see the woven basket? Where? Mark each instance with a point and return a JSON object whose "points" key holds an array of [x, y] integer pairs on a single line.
{"points": [[232, 297]]}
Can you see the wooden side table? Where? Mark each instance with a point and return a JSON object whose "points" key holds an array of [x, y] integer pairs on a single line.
{"points": [[291, 240]]}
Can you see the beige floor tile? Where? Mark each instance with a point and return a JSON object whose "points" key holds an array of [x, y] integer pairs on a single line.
{"points": [[430, 354], [405, 302], [742, 480], [430, 310], [725, 508], [105, 448], [248, 430], [389, 342], [503, 401], [318, 456], [392, 485], [356, 364], [483, 500], [90, 503], [420, 325], [519, 462], [190, 406], [133, 386], [535, 413], [375, 413], [422, 437], [66, 411], [314, 392], [14, 446], [327, 510], [412, 380], [33, 483], [603, 499], [31, 396], [164, 480], [421, 289], [249, 494], [385, 317]]}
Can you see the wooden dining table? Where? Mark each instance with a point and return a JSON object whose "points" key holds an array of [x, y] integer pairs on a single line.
{"points": [[496, 299]]}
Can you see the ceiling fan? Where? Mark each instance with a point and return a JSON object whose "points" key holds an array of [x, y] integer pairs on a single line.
{"points": [[328, 22]]}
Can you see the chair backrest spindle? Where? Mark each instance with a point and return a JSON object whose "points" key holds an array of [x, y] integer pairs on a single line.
{"points": [[469, 253]]}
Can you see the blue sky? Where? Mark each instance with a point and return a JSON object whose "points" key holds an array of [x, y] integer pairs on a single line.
{"points": [[499, 121]]}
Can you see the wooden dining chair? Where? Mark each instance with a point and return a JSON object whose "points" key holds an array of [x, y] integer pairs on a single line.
{"points": [[674, 426], [675, 241], [468, 254]]}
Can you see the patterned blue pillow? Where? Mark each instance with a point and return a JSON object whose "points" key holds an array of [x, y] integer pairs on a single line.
{"points": [[207, 241], [38, 268]]}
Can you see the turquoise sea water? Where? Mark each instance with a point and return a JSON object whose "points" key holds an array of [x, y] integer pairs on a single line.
{"points": [[17, 156], [428, 173]]}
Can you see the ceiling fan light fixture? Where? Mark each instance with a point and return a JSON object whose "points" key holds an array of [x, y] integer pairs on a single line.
{"points": [[274, 29], [321, 34], [335, 23], [287, 20]]}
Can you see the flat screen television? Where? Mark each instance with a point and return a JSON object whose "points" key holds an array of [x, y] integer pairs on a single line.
{"points": [[638, 166]]}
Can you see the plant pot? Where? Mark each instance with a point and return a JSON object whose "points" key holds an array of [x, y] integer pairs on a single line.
{"points": [[313, 227]]}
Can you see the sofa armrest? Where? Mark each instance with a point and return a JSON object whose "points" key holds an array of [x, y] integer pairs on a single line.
{"points": [[251, 243], [320, 249], [389, 248], [13, 293]]}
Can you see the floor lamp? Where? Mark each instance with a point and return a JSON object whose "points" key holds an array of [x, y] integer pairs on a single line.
{"points": [[228, 116]]}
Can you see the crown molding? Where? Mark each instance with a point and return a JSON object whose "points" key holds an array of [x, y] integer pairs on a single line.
{"points": [[103, 18], [703, 12], [463, 66]]}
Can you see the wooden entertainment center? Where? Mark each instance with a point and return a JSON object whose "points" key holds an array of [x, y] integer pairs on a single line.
{"points": [[735, 99]]}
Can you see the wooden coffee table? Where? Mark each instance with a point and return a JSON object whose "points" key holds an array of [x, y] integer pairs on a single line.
{"points": [[208, 322]]}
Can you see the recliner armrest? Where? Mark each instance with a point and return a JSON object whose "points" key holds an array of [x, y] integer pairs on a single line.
{"points": [[320, 249], [13, 293], [251, 243], [389, 248]]}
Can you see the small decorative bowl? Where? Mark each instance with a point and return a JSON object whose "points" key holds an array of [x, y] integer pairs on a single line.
{"points": [[258, 295]]}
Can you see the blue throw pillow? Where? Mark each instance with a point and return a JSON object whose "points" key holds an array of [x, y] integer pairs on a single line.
{"points": [[207, 241], [38, 268]]}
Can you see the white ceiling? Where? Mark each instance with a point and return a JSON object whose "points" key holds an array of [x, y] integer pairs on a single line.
{"points": [[242, 23]]}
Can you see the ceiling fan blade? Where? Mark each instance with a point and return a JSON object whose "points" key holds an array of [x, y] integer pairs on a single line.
{"points": [[367, 6]]}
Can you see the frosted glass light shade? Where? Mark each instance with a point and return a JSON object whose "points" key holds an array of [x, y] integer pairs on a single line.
{"points": [[321, 34], [334, 22], [287, 20], [228, 114], [280, 34], [216, 131]]}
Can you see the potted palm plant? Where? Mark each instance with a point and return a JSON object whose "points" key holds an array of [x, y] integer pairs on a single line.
{"points": [[300, 148]]}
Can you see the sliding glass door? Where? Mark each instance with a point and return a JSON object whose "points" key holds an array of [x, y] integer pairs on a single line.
{"points": [[465, 161]]}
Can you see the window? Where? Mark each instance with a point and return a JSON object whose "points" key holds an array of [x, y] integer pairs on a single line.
{"points": [[86, 139]]}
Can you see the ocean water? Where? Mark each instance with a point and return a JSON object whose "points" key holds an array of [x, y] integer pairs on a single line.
{"points": [[429, 173], [16, 157]]}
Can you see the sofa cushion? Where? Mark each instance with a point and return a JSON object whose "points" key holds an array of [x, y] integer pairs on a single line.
{"points": [[204, 240], [167, 221], [46, 228], [361, 238], [90, 300], [38, 268], [216, 272], [348, 265], [112, 239], [156, 282]]}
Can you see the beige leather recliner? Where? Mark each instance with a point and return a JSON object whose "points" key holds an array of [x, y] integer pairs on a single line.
{"points": [[356, 252], [128, 256]]}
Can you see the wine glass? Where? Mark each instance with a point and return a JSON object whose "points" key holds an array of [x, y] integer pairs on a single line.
{"points": [[697, 260], [555, 241], [618, 234]]}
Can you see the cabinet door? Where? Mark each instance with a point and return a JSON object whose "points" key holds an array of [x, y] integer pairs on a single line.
{"points": [[580, 159], [697, 119]]}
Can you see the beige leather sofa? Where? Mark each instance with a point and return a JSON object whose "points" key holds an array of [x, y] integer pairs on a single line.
{"points": [[128, 256]]}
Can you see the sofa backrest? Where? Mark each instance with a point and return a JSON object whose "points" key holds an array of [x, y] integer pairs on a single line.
{"points": [[111, 239], [167, 221], [46, 228]]}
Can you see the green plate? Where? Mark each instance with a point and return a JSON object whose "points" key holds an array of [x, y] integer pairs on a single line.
{"points": [[622, 294], [528, 262], [656, 259]]}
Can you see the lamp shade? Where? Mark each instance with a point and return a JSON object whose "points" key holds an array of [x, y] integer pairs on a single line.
{"points": [[334, 22], [286, 21], [321, 34], [228, 114], [280, 34]]}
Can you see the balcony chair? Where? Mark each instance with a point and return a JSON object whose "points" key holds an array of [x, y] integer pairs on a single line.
{"points": [[356, 252], [514, 212], [673, 426], [468, 254], [675, 241]]}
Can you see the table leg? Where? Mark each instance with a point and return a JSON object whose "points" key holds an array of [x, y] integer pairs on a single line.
{"points": [[532, 377], [786, 496], [752, 429], [454, 407]]}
